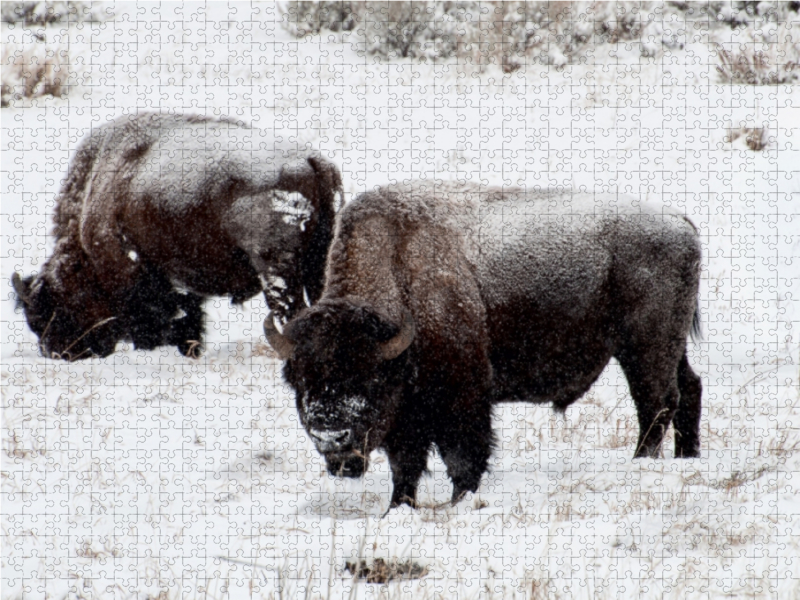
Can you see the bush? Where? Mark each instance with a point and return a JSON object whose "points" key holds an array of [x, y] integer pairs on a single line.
{"points": [[760, 62], [44, 13], [304, 18], [511, 34], [756, 138], [504, 33], [36, 69]]}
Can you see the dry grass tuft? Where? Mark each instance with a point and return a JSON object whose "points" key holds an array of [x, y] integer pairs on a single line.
{"points": [[44, 13], [740, 478], [761, 61], [756, 138], [34, 70], [538, 588], [262, 349], [383, 571]]}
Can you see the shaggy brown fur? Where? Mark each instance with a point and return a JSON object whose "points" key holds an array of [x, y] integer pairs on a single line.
{"points": [[154, 201], [504, 295]]}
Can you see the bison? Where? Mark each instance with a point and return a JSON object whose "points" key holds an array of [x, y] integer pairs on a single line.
{"points": [[161, 211], [442, 299]]}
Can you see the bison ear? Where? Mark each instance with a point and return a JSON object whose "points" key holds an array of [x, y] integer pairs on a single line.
{"points": [[22, 287], [279, 342], [398, 344]]}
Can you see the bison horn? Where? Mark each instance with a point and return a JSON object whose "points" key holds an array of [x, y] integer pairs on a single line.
{"points": [[279, 342], [397, 345], [20, 287]]}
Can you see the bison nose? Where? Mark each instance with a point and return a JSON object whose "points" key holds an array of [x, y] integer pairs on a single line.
{"points": [[331, 441]]}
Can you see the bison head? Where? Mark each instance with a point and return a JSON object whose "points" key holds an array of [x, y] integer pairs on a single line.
{"points": [[70, 325], [344, 363]]}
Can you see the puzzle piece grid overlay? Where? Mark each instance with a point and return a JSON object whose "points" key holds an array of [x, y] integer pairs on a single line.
{"points": [[147, 474]]}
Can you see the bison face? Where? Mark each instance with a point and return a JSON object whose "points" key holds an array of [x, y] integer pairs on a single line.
{"points": [[345, 365], [69, 326]]}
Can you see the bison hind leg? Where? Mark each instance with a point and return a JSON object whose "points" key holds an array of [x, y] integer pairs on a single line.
{"points": [[653, 383], [687, 418], [187, 332]]}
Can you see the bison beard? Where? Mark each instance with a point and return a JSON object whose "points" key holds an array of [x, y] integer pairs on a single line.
{"points": [[240, 214], [488, 295]]}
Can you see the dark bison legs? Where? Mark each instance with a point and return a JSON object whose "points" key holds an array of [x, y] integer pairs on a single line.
{"points": [[408, 459], [653, 383], [187, 332], [152, 309], [466, 445], [687, 418]]}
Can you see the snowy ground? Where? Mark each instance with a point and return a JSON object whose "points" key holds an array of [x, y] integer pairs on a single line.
{"points": [[149, 475]]}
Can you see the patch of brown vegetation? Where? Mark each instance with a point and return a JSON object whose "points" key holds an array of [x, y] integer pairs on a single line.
{"points": [[382, 571]]}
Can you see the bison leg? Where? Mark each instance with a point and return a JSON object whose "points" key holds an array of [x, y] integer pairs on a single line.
{"points": [[687, 418], [653, 382], [466, 445], [408, 461], [150, 308], [187, 332]]}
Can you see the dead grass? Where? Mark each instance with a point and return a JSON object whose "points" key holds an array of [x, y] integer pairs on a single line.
{"points": [[384, 571], [740, 478], [33, 13], [262, 349], [34, 70], [538, 589], [756, 138], [757, 61]]}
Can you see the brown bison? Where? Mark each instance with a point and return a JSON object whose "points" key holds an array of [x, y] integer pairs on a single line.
{"points": [[444, 298], [155, 202]]}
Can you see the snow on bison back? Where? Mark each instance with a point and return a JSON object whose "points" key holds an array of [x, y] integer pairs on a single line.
{"points": [[444, 298], [154, 201]]}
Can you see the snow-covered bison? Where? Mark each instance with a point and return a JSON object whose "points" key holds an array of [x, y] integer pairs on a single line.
{"points": [[444, 298], [155, 202]]}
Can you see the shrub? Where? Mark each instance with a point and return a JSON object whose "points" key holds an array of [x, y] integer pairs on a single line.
{"points": [[756, 138], [304, 18], [32, 70], [44, 13], [512, 33], [506, 33], [759, 63]]}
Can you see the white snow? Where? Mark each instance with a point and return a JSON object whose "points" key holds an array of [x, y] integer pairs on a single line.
{"points": [[150, 475]]}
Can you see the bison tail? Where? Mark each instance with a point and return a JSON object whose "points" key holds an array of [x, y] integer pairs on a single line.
{"points": [[696, 332]]}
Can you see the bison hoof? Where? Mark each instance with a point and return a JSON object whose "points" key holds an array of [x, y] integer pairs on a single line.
{"points": [[403, 493], [191, 348], [458, 495], [400, 501], [687, 453], [463, 485]]}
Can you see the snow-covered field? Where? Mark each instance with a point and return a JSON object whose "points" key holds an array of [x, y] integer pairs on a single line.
{"points": [[150, 475]]}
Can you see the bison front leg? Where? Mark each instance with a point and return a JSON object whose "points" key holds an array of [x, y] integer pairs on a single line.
{"points": [[408, 459], [150, 308], [186, 332], [466, 443]]}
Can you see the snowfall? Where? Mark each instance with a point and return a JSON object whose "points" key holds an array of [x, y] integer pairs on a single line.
{"points": [[150, 475]]}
